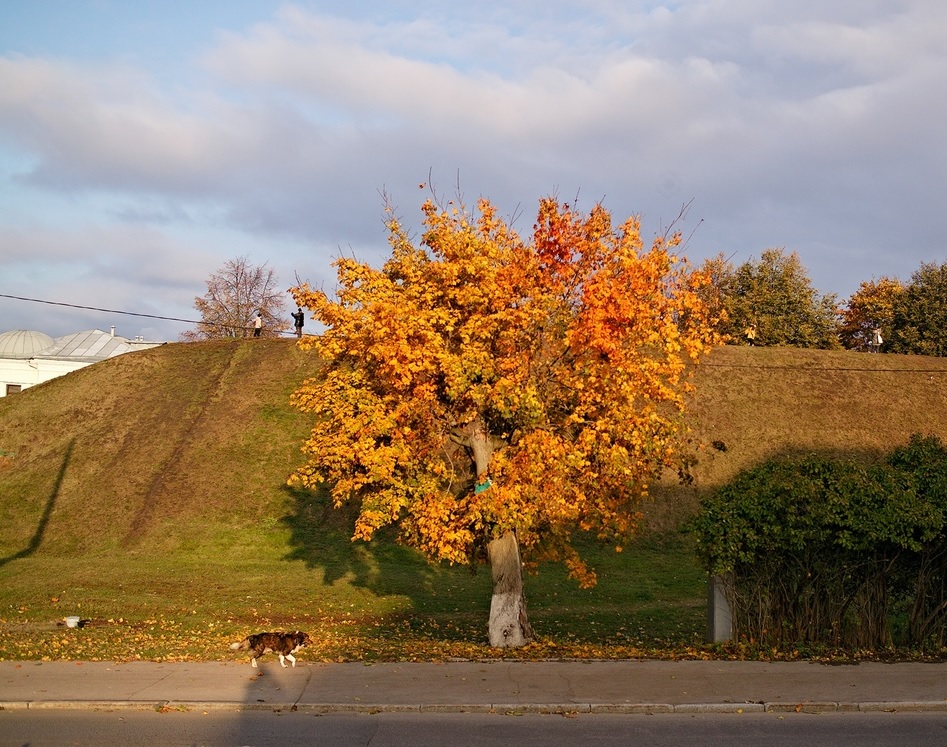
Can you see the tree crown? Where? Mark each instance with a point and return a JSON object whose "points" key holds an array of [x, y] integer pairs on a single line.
{"points": [[771, 301], [919, 314], [236, 293], [570, 350]]}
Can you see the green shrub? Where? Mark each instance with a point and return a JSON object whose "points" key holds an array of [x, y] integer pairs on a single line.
{"points": [[832, 551]]}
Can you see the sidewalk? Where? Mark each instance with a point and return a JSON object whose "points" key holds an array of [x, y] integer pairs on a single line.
{"points": [[567, 686]]}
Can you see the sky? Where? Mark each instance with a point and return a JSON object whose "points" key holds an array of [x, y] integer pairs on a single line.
{"points": [[145, 144]]}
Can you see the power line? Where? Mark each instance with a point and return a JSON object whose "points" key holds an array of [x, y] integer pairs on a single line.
{"points": [[809, 369], [709, 365], [127, 313], [107, 311]]}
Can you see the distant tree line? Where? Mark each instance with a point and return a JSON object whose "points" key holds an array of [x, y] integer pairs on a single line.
{"points": [[771, 301], [767, 302]]}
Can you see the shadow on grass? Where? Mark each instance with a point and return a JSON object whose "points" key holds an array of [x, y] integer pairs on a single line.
{"points": [[37, 539], [653, 590], [321, 537]]}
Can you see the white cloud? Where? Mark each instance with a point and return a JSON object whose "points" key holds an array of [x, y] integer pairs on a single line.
{"points": [[106, 128], [812, 125]]}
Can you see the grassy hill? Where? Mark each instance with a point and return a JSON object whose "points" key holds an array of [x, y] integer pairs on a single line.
{"points": [[152, 448], [758, 403], [147, 495]]}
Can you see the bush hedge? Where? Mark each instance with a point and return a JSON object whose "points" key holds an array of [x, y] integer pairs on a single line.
{"points": [[833, 551]]}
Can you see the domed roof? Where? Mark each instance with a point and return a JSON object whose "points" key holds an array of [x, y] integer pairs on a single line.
{"points": [[21, 343], [91, 345]]}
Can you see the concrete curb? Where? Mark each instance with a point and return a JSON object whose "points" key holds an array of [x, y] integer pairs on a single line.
{"points": [[500, 708]]}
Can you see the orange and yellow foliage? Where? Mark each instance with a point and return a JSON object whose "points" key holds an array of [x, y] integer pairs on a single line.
{"points": [[572, 347]]}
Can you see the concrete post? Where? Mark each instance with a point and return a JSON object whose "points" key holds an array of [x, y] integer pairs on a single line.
{"points": [[719, 619]]}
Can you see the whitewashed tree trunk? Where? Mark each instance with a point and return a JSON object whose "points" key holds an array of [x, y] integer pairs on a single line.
{"points": [[509, 625]]}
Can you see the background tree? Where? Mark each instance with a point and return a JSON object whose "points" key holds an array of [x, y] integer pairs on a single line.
{"points": [[869, 308], [493, 396], [720, 273], [772, 302], [919, 316], [235, 293]]}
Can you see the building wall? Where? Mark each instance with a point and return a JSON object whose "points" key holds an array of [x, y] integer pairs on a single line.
{"points": [[28, 358], [30, 372]]}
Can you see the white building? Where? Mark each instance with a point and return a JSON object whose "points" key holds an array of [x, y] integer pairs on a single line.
{"points": [[28, 358]]}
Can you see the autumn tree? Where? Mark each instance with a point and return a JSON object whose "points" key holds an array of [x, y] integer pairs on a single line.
{"points": [[869, 308], [919, 315], [235, 294], [719, 273], [494, 396], [772, 302]]}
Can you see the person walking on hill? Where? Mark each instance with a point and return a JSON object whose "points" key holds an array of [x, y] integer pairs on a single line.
{"points": [[258, 324], [299, 319], [750, 333]]}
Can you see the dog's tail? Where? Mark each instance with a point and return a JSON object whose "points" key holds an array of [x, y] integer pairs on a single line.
{"points": [[244, 644]]}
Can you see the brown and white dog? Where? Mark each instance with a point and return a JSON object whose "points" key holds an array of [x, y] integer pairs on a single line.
{"points": [[284, 644]]}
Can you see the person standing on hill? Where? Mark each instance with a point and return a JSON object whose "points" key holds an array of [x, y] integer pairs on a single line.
{"points": [[299, 319], [258, 324]]}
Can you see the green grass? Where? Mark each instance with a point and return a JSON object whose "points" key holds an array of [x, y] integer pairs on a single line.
{"points": [[147, 494], [381, 601]]}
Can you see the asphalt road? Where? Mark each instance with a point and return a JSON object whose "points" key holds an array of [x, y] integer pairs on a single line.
{"points": [[262, 728]]}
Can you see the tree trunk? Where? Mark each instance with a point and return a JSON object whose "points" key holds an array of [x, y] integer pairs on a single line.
{"points": [[509, 626]]}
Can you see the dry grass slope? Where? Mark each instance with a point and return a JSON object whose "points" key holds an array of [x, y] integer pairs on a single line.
{"points": [[154, 445], [757, 403], [760, 402], [151, 445]]}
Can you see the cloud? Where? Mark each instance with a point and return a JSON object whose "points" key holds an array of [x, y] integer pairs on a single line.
{"points": [[335, 70], [109, 128], [319, 96], [810, 125]]}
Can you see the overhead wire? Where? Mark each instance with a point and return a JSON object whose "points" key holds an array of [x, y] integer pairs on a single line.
{"points": [[96, 308], [126, 313], [863, 369]]}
